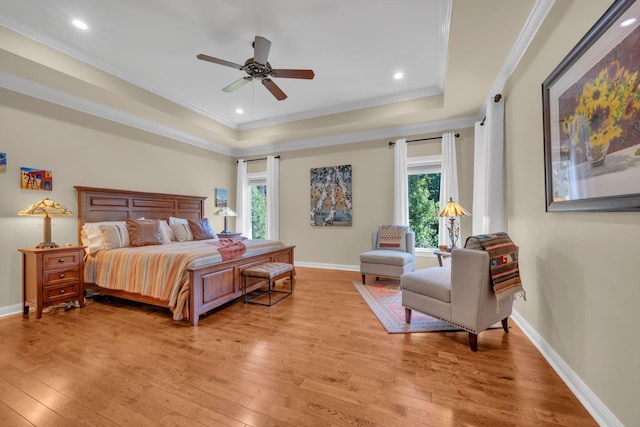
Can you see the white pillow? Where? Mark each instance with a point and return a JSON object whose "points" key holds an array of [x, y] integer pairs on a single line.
{"points": [[174, 220], [167, 232], [182, 232], [114, 236], [91, 236]]}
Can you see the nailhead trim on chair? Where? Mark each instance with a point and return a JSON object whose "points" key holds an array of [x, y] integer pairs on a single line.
{"points": [[449, 322]]}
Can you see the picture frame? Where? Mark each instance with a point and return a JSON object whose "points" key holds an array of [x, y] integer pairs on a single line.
{"points": [[591, 119], [36, 179], [331, 196], [221, 198]]}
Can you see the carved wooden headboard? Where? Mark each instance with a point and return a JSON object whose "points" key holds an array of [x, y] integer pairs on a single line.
{"points": [[104, 204]]}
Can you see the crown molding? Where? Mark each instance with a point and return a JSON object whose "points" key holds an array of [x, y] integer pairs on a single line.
{"points": [[54, 96], [36, 90], [343, 108], [538, 13], [353, 137]]}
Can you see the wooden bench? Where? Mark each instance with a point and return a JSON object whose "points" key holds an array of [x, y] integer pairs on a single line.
{"points": [[272, 271]]}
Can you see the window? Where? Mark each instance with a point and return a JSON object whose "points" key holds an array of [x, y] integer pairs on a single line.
{"points": [[424, 198], [258, 188]]}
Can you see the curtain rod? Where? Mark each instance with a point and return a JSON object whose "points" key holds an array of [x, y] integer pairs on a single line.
{"points": [[423, 139], [496, 98], [255, 160]]}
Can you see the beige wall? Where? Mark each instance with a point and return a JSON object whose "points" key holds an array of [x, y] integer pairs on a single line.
{"points": [[580, 270], [83, 150]]}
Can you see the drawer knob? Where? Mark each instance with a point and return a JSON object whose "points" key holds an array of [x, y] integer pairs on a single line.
{"points": [[61, 291], [61, 260], [61, 276]]}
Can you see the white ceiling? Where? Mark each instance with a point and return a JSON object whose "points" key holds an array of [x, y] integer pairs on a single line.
{"points": [[137, 65], [354, 48]]}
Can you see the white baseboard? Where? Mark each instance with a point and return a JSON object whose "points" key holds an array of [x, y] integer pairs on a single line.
{"points": [[10, 309], [596, 408], [327, 266]]}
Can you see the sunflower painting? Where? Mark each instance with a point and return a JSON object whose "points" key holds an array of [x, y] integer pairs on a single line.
{"points": [[591, 113], [608, 103]]}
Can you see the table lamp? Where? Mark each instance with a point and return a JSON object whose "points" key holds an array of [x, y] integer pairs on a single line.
{"points": [[225, 212], [46, 208], [452, 210]]}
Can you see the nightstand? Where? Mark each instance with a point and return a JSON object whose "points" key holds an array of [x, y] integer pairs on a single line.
{"points": [[51, 276], [228, 235]]}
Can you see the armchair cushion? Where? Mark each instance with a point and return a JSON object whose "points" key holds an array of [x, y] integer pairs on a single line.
{"points": [[392, 237], [385, 256]]}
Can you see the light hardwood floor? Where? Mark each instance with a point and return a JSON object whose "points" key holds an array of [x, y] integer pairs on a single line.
{"points": [[319, 358]]}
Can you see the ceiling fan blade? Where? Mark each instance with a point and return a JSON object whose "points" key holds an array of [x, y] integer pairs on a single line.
{"points": [[261, 47], [274, 89], [219, 61], [293, 74], [237, 84]]}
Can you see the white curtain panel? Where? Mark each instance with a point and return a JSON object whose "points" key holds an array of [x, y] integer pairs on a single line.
{"points": [[400, 183], [448, 184], [243, 201], [273, 213], [488, 171]]}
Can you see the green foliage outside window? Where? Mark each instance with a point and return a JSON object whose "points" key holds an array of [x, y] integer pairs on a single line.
{"points": [[259, 211], [424, 203]]}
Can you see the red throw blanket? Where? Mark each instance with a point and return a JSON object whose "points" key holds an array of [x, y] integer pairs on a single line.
{"points": [[230, 248], [503, 256]]}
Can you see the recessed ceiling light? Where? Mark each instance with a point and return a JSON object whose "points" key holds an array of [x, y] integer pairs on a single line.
{"points": [[399, 75], [628, 22], [80, 24], [239, 111]]}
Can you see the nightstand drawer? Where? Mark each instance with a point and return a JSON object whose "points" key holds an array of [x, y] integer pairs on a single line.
{"points": [[60, 293], [63, 275], [61, 259]]}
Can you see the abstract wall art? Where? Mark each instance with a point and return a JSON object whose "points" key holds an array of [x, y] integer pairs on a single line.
{"points": [[331, 196]]}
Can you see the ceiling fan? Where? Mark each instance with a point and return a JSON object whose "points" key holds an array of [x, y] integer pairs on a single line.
{"points": [[259, 68]]}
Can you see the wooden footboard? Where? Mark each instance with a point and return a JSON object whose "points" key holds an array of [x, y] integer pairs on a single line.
{"points": [[216, 284]]}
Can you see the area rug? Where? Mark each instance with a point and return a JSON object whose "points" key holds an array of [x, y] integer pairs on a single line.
{"points": [[384, 299]]}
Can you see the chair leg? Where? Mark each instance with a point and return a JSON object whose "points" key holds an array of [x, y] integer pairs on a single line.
{"points": [[407, 315], [473, 341], [505, 324], [363, 279]]}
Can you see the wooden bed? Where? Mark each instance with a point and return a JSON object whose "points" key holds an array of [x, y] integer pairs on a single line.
{"points": [[210, 285]]}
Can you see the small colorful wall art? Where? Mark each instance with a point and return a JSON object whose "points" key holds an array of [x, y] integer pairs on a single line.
{"points": [[331, 196], [221, 198], [3, 162], [36, 179]]}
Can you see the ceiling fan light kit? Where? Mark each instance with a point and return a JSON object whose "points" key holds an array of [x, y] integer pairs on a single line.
{"points": [[259, 68]]}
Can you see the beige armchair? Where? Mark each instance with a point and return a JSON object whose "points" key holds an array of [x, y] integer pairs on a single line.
{"points": [[389, 258], [461, 295]]}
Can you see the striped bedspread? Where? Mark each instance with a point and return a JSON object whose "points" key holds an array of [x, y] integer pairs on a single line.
{"points": [[159, 271]]}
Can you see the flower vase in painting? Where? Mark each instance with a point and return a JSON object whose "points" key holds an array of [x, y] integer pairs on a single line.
{"points": [[605, 103]]}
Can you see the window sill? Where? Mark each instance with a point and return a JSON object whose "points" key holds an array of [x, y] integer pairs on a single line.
{"points": [[425, 252]]}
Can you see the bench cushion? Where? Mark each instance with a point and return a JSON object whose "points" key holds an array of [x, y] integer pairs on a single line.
{"points": [[433, 282], [268, 270]]}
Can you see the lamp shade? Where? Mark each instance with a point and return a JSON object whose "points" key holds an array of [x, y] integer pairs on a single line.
{"points": [[452, 209], [46, 208], [226, 212]]}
